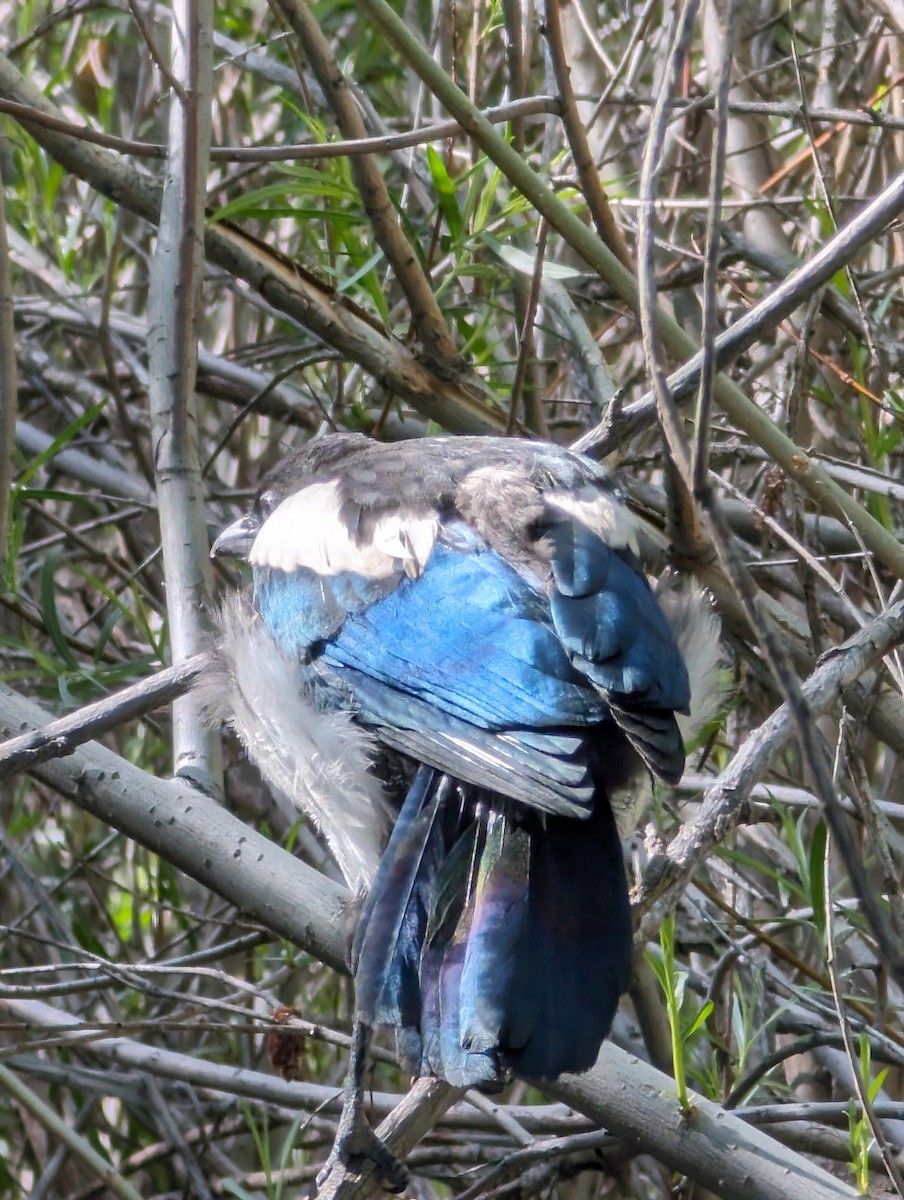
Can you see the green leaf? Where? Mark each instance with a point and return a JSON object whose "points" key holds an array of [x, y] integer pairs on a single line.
{"points": [[525, 263], [59, 442], [817, 878], [700, 1019], [445, 193], [49, 611]]}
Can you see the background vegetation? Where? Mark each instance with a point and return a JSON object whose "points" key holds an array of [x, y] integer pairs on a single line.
{"points": [[201, 266]]}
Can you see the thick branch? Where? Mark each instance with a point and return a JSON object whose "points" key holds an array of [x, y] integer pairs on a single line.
{"points": [[199, 837]]}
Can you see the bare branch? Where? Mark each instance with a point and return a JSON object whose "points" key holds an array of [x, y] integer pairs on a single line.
{"points": [[173, 317]]}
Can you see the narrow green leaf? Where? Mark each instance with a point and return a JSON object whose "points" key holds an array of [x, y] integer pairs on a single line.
{"points": [[700, 1019], [817, 877], [50, 612], [445, 191]]}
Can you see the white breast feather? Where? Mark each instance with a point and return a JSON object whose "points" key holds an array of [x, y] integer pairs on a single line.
{"points": [[318, 759]]}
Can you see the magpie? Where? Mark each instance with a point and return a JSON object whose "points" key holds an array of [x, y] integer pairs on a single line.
{"points": [[453, 662]]}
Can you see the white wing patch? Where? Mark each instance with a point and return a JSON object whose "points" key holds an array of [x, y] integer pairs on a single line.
{"points": [[307, 530], [613, 521], [409, 537]]}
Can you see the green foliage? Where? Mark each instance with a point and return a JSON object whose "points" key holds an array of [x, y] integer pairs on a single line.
{"points": [[685, 1020], [859, 1127]]}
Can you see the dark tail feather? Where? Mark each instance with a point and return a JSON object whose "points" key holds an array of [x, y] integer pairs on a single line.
{"points": [[499, 940], [578, 957], [388, 924]]}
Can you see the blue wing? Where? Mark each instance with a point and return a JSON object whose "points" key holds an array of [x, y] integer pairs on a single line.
{"points": [[474, 667]]}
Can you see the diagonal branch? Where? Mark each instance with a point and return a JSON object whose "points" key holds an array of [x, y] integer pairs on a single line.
{"points": [[712, 1147], [461, 405], [437, 343], [588, 174], [734, 402], [724, 803]]}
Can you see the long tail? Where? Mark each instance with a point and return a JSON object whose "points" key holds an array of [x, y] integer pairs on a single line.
{"points": [[496, 940]]}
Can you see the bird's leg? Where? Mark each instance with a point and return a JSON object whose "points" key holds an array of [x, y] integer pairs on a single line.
{"points": [[356, 1146]]}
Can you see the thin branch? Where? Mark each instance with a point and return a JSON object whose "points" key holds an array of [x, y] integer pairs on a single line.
{"points": [[61, 737], [526, 339], [62, 1130], [515, 110], [700, 468], [588, 175], [8, 380], [437, 343], [853, 1056], [147, 34], [723, 804], [459, 405]]}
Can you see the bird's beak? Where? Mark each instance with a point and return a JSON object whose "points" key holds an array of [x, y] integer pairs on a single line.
{"points": [[237, 539]]}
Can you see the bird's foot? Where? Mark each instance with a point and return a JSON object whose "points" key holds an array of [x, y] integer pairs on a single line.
{"points": [[359, 1151]]}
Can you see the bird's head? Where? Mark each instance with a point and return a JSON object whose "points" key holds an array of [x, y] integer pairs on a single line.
{"points": [[316, 460]]}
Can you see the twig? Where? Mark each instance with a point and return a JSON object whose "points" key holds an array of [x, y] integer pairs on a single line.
{"points": [[860, 1085], [526, 334], [700, 466], [438, 344], [722, 805], [588, 175], [63, 1131], [8, 384], [386, 143], [62, 736]]}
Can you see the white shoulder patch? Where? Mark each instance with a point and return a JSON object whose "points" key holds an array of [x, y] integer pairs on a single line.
{"points": [[409, 537], [613, 521], [307, 530]]}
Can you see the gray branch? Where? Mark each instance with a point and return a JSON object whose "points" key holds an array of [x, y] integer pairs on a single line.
{"points": [[711, 1146], [174, 302], [723, 805]]}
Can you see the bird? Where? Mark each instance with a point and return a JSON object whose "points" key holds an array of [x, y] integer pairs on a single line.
{"points": [[453, 662]]}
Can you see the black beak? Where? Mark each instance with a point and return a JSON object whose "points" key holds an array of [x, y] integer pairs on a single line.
{"points": [[237, 539]]}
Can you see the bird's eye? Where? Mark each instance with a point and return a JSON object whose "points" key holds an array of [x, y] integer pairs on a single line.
{"points": [[266, 502]]}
